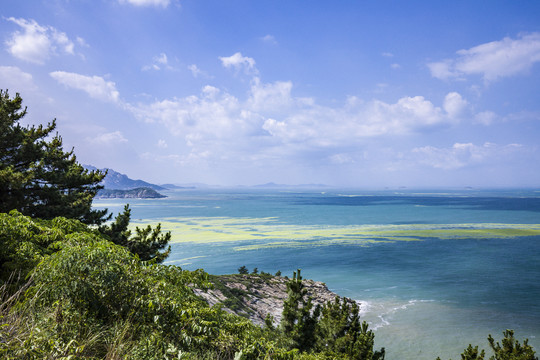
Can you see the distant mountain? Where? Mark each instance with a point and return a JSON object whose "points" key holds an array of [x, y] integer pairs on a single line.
{"points": [[272, 185], [173, 187], [118, 181], [138, 193]]}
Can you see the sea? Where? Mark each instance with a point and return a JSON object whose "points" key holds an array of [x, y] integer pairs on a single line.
{"points": [[434, 271]]}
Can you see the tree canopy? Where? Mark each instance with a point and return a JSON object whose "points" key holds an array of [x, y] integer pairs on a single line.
{"points": [[37, 176]]}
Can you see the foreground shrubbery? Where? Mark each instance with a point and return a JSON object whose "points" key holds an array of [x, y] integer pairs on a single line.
{"points": [[89, 298]]}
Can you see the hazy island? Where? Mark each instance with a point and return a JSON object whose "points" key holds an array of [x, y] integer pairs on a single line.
{"points": [[137, 193]]}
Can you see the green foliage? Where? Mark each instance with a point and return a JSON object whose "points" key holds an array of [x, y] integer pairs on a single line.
{"points": [[37, 177], [146, 242], [472, 353], [24, 241], [298, 323], [89, 298], [334, 329], [511, 349], [243, 270], [339, 330]]}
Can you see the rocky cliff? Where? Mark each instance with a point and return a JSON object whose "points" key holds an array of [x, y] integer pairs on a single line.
{"points": [[256, 296]]}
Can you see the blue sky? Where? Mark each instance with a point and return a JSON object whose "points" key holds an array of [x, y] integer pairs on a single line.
{"points": [[367, 94]]}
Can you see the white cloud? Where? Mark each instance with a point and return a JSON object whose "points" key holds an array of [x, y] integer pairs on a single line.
{"points": [[395, 66], [462, 154], [159, 62], [95, 86], [82, 42], [162, 144], [271, 123], [454, 104], [109, 138], [442, 70], [209, 116], [493, 60], [270, 39], [162, 59], [37, 43], [485, 118], [195, 71], [341, 159], [15, 79], [270, 96], [162, 3], [271, 117], [239, 62]]}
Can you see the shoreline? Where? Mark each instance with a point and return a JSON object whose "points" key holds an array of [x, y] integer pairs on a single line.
{"points": [[255, 296]]}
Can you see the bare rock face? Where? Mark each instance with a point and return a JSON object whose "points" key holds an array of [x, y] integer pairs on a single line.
{"points": [[256, 296]]}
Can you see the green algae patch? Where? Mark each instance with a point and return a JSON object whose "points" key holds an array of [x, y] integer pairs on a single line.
{"points": [[269, 232], [184, 261]]}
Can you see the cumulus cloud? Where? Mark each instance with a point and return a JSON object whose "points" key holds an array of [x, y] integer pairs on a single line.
{"points": [[271, 123], [210, 115], [162, 3], [109, 138], [270, 96], [462, 154], [454, 104], [36, 43], [95, 86], [14, 78], [493, 60], [239, 62], [271, 116]]}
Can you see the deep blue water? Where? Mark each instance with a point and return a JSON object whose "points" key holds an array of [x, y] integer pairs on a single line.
{"points": [[424, 298]]}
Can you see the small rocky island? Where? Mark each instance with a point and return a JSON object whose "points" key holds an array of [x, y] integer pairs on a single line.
{"points": [[137, 193]]}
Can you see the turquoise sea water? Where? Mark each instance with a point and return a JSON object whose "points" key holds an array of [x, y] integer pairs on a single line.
{"points": [[434, 271]]}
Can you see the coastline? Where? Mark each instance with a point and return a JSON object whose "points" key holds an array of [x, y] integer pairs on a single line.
{"points": [[255, 296]]}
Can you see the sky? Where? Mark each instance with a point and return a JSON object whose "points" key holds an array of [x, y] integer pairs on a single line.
{"points": [[367, 94]]}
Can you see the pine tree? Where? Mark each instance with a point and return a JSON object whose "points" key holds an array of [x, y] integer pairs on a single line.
{"points": [[298, 322], [37, 177], [146, 243], [511, 349], [339, 330]]}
